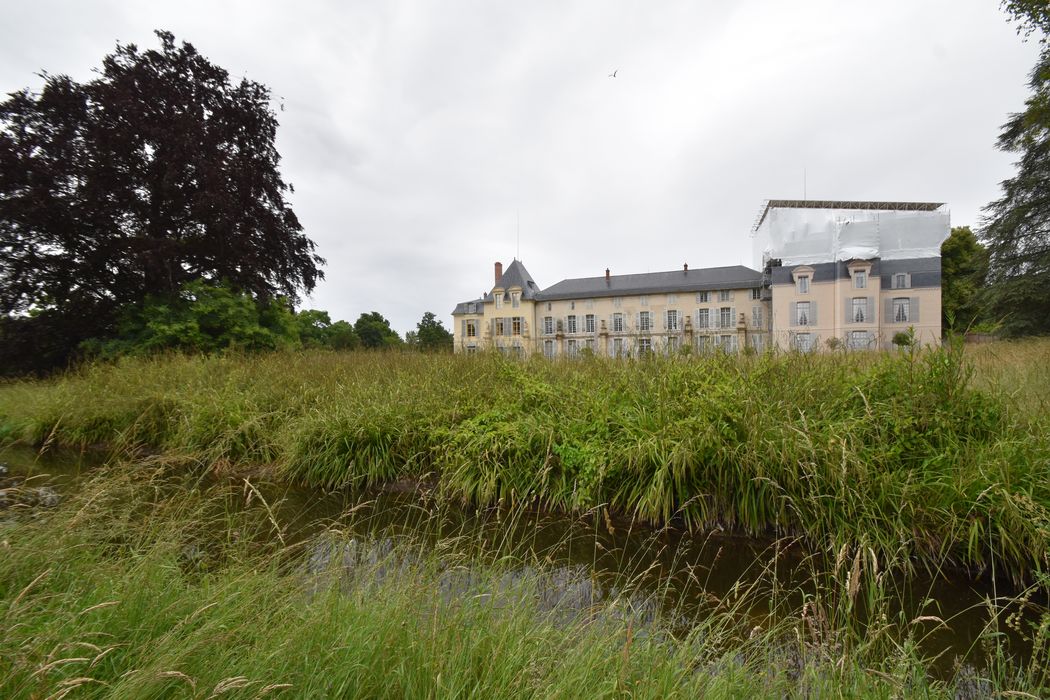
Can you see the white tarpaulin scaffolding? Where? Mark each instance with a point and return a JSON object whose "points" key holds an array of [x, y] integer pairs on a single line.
{"points": [[804, 233]]}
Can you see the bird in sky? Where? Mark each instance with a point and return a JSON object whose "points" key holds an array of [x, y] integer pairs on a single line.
{"points": [[613, 74]]}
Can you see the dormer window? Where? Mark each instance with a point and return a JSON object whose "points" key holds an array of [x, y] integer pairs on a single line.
{"points": [[499, 299], [802, 276], [860, 279], [515, 299], [803, 284]]}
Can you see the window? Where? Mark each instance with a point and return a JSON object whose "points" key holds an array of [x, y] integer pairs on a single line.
{"points": [[858, 340], [548, 348], [725, 295], [672, 320], [617, 302], [548, 325], [756, 293], [472, 329], [588, 323], [571, 322], [499, 326], [803, 284], [726, 342], [499, 300], [725, 317], [517, 350], [804, 342], [515, 299], [644, 322], [617, 323], [672, 344], [572, 305], [701, 343], [672, 298], [571, 348], [860, 279], [643, 301], [516, 325], [860, 310], [645, 346], [802, 316], [703, 318], [589, 345], [900, 281], [756, 316], [548, 306], [618, 348], [589, 304], [703, 297], [901, 310]]}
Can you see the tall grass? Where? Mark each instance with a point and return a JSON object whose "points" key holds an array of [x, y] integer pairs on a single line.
{"points": [[916, 455], [145, 584]]}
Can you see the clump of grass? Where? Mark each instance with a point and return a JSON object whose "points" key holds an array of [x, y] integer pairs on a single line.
{"points": [[929, 459], [146, 583]]}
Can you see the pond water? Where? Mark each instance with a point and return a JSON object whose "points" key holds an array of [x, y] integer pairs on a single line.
{"points": [[682, 573]]}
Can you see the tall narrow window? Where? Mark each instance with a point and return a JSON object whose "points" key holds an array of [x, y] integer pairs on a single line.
{"points": [[901, 310], [802, 316], [900, 281], [804, 342], [499, 326], [588, 323], [725, 295], [572, 324], [803, 284], [860, 279], [515, 299], [571, 349], [672, 320], [645, 346], [617, 323], [703, 318], [644, 322], [703, 297], [756, 293], [516, 325], [548, 325], [472, 329], [548, 348], [725, 317], [860, 309]]}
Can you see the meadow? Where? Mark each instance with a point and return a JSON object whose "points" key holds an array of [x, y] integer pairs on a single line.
{"points": [[935, 459]]}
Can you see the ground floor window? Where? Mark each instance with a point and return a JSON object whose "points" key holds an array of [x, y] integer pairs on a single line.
{"points": [[672, 344], [858, 340], [548, 348], [803, 342], [619, 349], [471, 349], [727, 342], [645, 346], [571, 349]]}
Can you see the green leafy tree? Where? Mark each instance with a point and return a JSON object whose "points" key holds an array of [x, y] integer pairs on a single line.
{"points": [[201, 318], [964, 266], [316, 330], [157, 172], [432, 334], [1017, 226], [375, 331]]}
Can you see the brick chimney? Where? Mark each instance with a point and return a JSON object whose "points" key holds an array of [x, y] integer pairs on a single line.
{"points": [[607, 275], [499, 272]]}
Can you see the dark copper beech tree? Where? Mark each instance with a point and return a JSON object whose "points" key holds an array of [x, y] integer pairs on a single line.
{"points": [[157, 172]]}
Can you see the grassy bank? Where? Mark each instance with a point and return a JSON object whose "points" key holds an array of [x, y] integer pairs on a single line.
{"points": [[913, 455], [145, 584]]}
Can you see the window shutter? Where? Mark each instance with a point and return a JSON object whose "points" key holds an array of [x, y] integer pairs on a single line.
{"points": [[887, 314], [907, 279], [732, 314], [794, 313], [812, 313], [463, 329], [637, 320], [848, 303], [870, 315], [913, 317]]}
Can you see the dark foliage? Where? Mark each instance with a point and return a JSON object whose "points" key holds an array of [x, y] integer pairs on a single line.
{"points": [[375, 332], [158, 172], [432, 335], [964, 267]]}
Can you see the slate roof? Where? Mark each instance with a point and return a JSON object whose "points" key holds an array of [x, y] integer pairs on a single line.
{"points": [[710, 278], [517, 276], [464, 307]]}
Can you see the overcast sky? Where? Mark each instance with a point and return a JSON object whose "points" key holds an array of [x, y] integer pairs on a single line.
{"points": [[419, 134]]}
